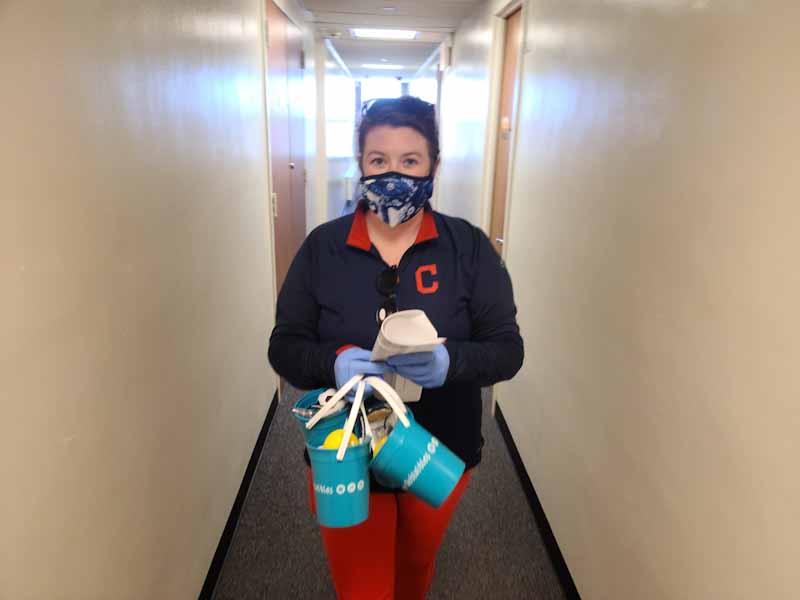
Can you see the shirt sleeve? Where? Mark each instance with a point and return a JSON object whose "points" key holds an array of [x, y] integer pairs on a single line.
{"points": [[495, 349], [295, 350]]}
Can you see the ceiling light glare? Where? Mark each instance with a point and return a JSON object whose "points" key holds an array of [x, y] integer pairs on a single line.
{"points": [[384, 34], [383, 66]]}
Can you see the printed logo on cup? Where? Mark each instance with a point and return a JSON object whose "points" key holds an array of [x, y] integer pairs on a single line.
{"points": [[421, 463], [341, 489]]}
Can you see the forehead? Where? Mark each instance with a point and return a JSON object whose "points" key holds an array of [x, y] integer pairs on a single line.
{"points": [[385, 138]]}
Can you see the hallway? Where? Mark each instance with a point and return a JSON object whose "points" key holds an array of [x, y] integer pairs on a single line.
{"points": [[491, 550], [645, 156]]}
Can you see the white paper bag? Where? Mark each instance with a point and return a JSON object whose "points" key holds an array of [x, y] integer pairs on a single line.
{"points": [[405, 332]]}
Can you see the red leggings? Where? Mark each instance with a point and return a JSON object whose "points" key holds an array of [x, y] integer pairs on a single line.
{"points": [[391, 555]]}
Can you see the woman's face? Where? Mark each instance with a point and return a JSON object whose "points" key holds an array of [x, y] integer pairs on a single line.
{"points": [[400, 149]]}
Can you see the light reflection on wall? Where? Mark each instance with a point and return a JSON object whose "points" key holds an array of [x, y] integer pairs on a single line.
{"points": [[340, 112], [185, 93], [200, 25], [464, 109], [190, 92], [482, 37], [425, 87], [219, 27], [565, 107], [340, 101]]}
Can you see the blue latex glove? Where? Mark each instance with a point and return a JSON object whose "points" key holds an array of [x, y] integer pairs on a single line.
{"points": [[356, 361], [428, 369]]}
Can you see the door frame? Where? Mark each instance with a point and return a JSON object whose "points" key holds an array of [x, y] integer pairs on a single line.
{"points": [[492, 129], [264, 37], [294, 15]]}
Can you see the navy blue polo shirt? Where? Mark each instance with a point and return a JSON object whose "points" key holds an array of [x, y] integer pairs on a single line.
{"points": [[329, 301]]}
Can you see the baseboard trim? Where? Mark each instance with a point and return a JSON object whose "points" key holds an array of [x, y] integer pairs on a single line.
{"points": [[550, 543], [233, 518]]}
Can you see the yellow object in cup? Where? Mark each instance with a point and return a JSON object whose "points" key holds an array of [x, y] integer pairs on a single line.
{"points": [[379, 445], [335, 438]]}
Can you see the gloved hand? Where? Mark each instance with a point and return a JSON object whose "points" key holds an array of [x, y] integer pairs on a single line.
{"points": [[356, 361], [428, 369]]}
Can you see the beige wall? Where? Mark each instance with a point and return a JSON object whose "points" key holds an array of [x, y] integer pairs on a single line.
{"points": [[468, 108], [136, 291], [654, 236]]}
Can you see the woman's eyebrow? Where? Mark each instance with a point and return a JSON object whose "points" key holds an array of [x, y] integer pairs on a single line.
{"points": [[414, 153]]}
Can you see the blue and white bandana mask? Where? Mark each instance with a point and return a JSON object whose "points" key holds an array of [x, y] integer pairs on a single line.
{"points": [[395, 197]]}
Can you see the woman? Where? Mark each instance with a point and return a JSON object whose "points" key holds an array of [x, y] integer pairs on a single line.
{"points": [[396, 253]]}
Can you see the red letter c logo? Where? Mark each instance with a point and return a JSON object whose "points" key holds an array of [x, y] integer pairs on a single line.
{"points": [[434, 285]]}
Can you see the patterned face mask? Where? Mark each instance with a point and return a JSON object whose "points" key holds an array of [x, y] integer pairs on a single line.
{"points": [[395, 197]]}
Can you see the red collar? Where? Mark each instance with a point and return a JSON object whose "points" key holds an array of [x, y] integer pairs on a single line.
{"points": [[359, 236]]}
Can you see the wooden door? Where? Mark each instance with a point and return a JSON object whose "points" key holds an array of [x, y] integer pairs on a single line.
{"points": [[510, 58], [295, 60], [286, 136]]}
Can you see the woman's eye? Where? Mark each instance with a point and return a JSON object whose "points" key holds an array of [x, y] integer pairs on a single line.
{"points": [[376, 161], [410, 162]]}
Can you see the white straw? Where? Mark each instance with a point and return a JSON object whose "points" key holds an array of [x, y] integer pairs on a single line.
{"points": [[330, 405]]}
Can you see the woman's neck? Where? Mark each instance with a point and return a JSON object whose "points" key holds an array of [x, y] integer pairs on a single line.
{"points": [[392, 242]]}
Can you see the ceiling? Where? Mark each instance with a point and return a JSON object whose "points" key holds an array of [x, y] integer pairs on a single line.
{"points": [[409, 55], [434, 20]]}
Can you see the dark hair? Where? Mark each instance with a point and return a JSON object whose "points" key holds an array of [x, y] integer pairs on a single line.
{"points": [[405, 111]]}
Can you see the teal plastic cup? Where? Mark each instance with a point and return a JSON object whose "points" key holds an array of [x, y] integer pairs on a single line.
{"points": [[316, 435], [414, 460], [341, 489]]}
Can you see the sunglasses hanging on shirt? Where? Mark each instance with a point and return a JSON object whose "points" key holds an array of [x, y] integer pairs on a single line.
{"points": [[386, 284]]}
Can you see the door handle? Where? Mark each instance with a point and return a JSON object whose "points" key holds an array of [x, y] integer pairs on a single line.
{"points": [[499, 241], [291, 165]]}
